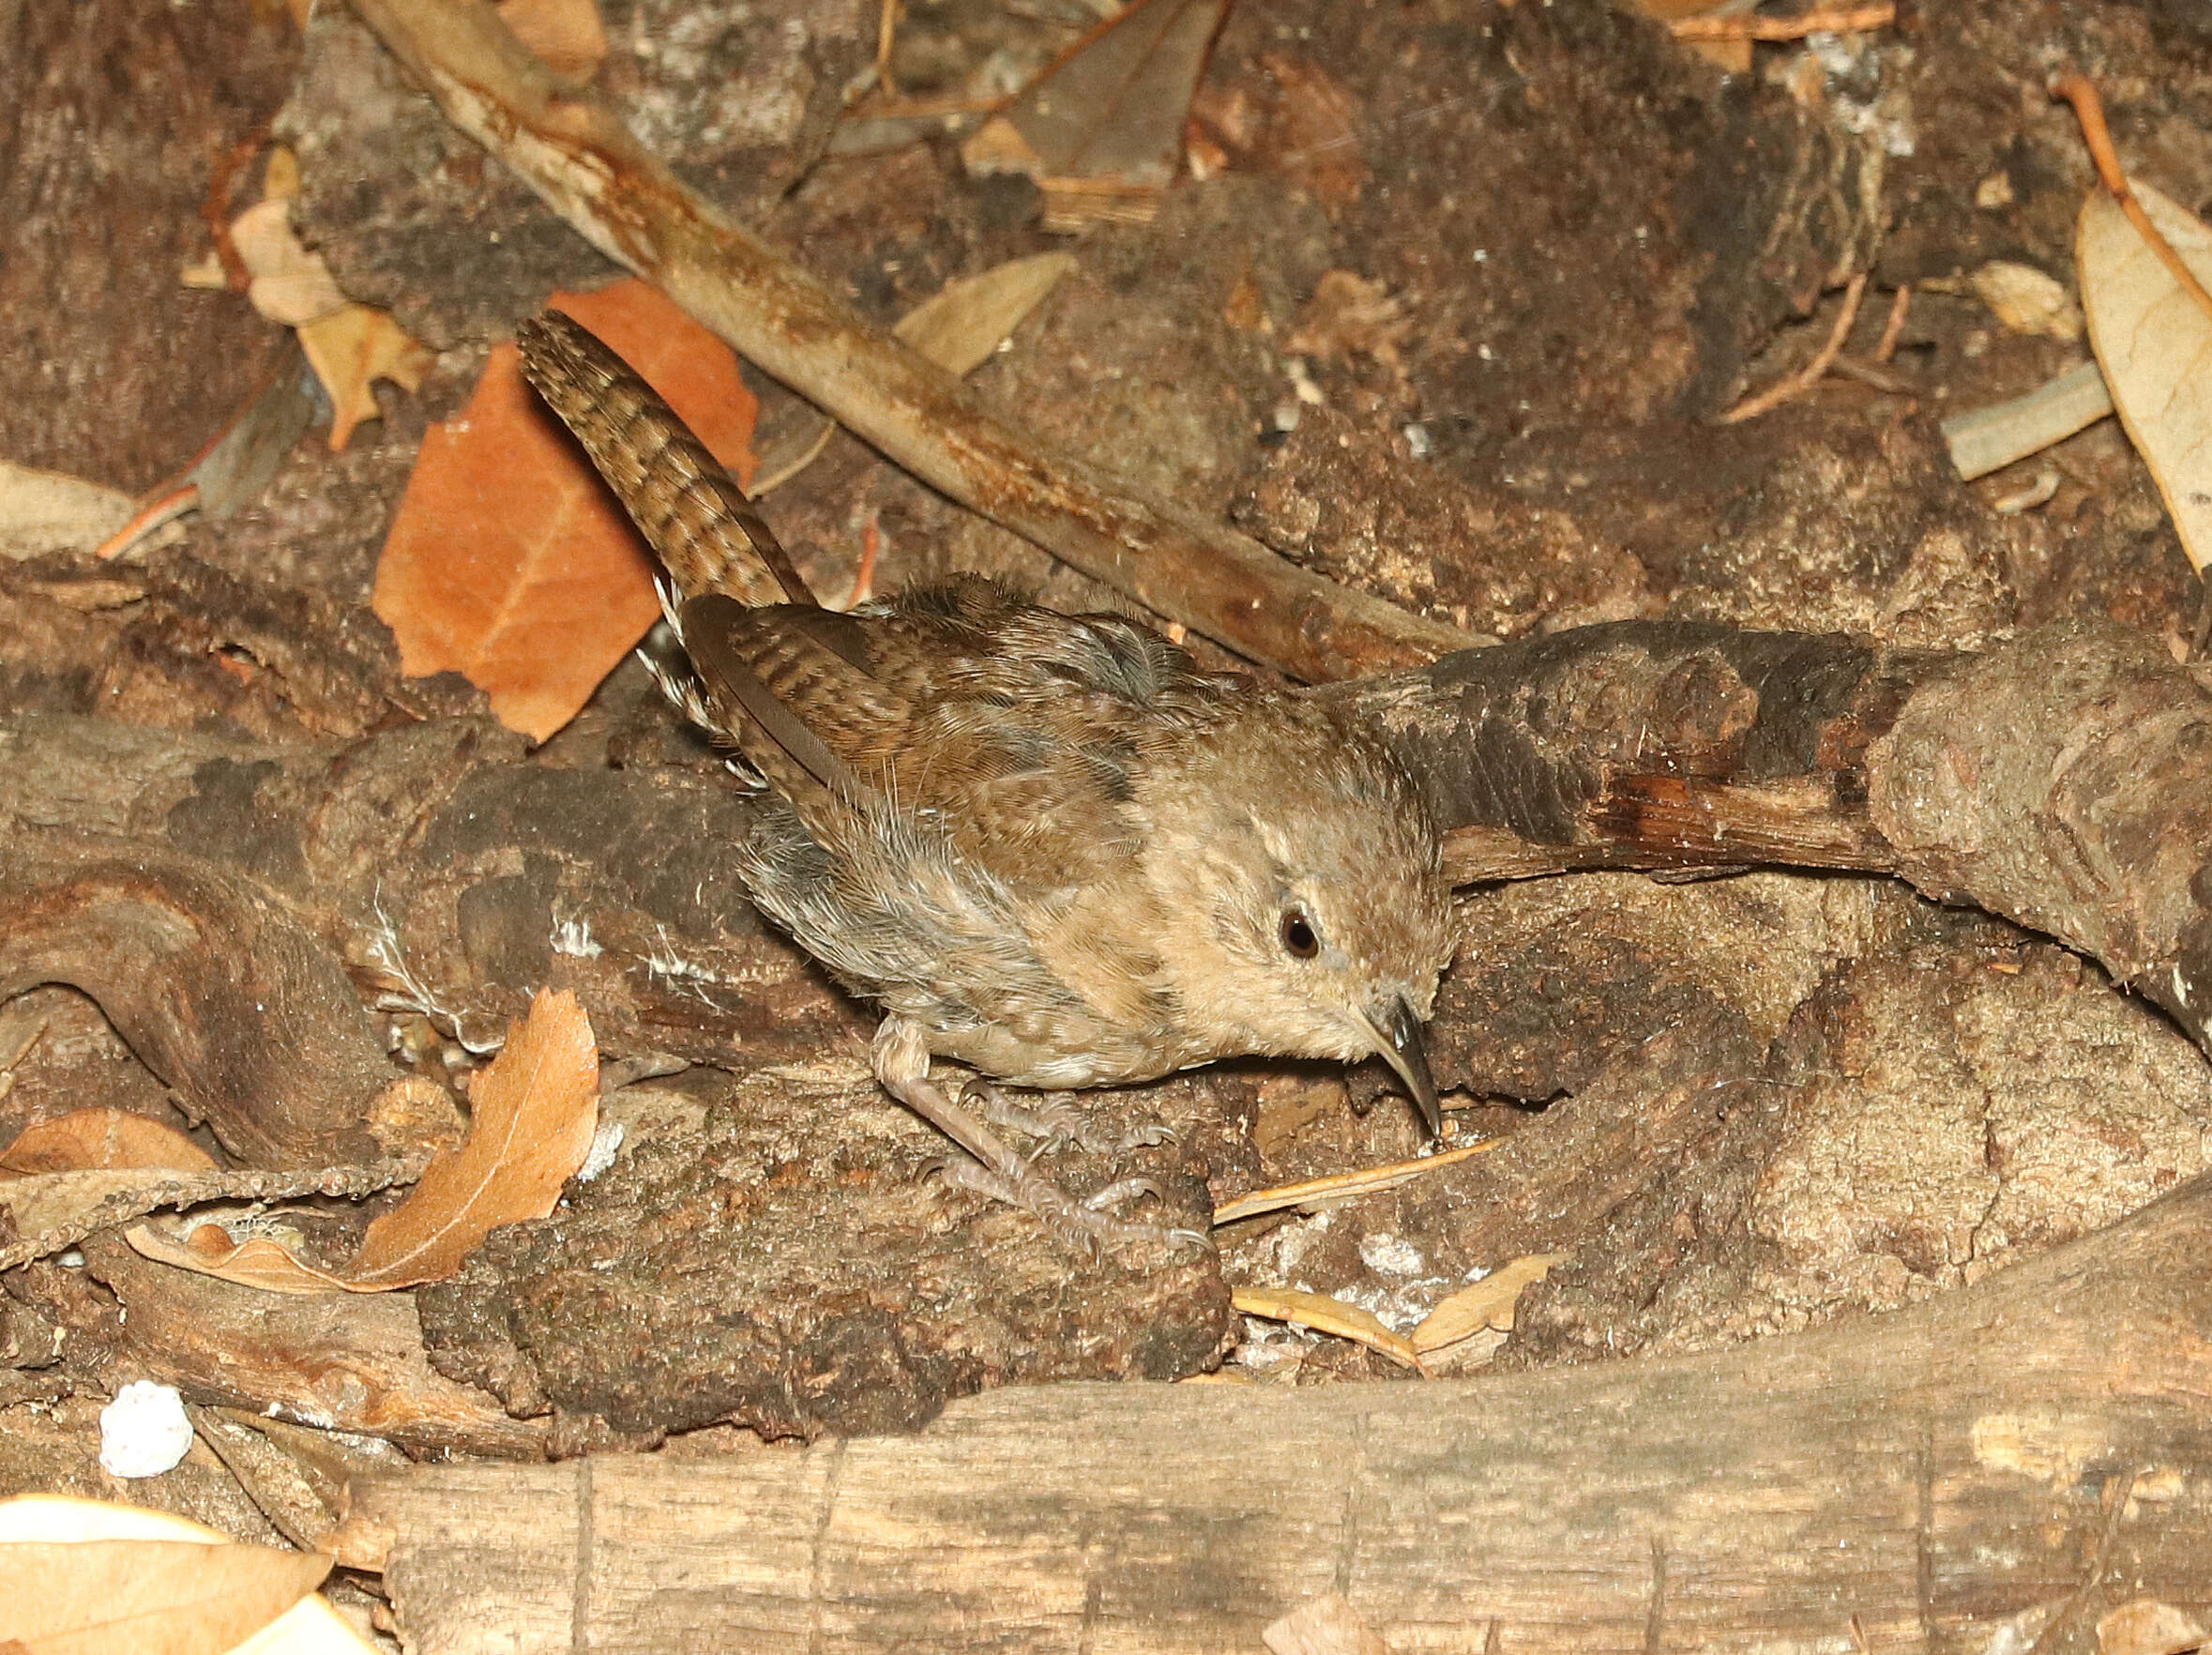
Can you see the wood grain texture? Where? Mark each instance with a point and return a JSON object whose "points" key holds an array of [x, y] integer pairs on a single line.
{"points": [[2021, 1453]]}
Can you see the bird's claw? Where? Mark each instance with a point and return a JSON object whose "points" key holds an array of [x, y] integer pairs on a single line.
{"points": [[1087, 1224]]}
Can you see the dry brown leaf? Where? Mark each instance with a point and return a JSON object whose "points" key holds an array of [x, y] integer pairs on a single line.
{"points": [[94, 1137], [959, 326], [2154, 343], [1487, 1304], [258, 1261], [532, 1114], [142, 1597], [1326, 1625], [2148, 1627], [567, 36], [350, 350], [289, 284], [1101, 128], [43, 511], [1325, 1315], [509, 561], [309, 1627]]}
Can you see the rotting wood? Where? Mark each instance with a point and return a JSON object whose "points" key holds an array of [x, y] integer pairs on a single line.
{"points": [[2063, 781], [346, 1362], [217, 988], [576, 154], [1937, 1479]]}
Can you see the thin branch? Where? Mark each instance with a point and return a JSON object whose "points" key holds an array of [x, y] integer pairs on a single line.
{"points": [[568, 145], [1894, 327], [1822, 19], [1797, 384]]}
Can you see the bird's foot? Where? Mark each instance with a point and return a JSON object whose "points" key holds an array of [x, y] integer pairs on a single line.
{"points": [[1057, 1122], [1089, 1223], [1053, 1121]]}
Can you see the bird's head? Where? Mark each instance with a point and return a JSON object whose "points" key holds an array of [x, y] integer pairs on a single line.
{"points": [[1305, 908]]}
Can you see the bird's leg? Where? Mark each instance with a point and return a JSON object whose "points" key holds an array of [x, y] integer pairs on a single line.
{"points": [[901, 1061]]}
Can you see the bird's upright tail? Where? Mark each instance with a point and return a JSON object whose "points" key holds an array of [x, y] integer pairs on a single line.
{"points": [[706, 534]]}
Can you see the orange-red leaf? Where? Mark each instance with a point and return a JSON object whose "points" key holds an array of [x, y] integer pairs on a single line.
{"points": [[508, 562]]}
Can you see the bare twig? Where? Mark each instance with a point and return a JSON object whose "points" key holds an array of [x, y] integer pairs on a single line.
{"points": [[1820, 19], [1990, 438], [2078, 90], [1869, 373], [571, 148], [1894, 327], [1797, 384]]}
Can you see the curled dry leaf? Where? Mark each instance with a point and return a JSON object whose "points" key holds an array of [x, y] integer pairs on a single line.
{"points": [[2154, 342], [43, 511], [180, 1597], [1487, 1304], [213, 1574], [1102, 130], [1325, 1315], [2147, 1627], [258, 1261], [510, 562], [350, 350], [87, 1138], [534, 1114]]}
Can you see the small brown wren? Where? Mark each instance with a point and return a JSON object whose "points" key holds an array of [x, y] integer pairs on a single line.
{"points": [[1047, 845]]}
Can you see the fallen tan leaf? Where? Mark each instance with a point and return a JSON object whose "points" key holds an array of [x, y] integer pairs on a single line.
{"points": [[147, 1597], [509, 561], [352, 348], [289, 284], [1101, 128], [2154, 343], [43, 511], [568, 36], [309, 1627], [1325, 1315], [532, 1114], [2148, 1627], [1326, 1625], [259, 1261], [1488, 1303], [95, 1137], [959, 326]]}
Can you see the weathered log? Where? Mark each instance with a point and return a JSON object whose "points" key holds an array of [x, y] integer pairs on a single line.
{"points": [[2063, 781], [2007, 1461]]}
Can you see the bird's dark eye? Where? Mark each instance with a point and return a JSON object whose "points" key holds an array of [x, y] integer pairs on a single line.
{"points": [[1297, 935]]}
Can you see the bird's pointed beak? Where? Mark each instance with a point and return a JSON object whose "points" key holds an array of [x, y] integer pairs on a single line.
{"points": [[1398, 1043]]}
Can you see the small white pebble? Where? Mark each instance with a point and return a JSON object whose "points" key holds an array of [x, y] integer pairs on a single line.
{"points": [[143, 1432]]}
